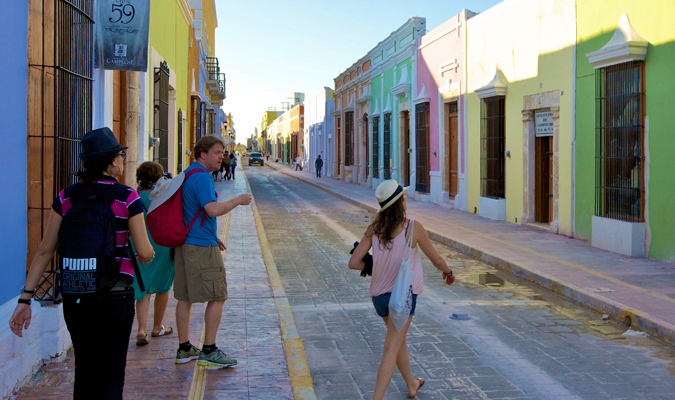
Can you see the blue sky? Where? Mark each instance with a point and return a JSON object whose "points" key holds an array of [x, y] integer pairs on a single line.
{"points": [[269, 49]]}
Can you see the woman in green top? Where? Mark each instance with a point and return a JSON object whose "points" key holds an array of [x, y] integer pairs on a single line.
{"points": [[157, 275]]}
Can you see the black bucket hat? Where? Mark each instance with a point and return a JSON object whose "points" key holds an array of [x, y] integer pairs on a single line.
{"points": [[98, 143]]}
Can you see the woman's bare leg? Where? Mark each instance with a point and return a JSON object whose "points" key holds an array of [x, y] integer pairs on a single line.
{"points": [[391, 356], [161, 300], [142, 308]]}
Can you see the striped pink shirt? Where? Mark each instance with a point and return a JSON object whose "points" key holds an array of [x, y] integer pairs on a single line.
{"points": [[125, 207]]}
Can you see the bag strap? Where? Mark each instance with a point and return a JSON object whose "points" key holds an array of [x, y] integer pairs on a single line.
{"points": [[408, 242], [137, 269]]}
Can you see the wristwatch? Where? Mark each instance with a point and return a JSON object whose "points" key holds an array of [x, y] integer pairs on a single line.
{"points": [[24, 301], [24, 290]]}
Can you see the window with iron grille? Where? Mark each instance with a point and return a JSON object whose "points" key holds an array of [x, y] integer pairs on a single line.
{"points": [[161, 117], [60, 75], [492, 137], [196, 122], [619, 137], [349, 138], [422, 178], [203, 125], [376, 147], [338, 124], [386, 146]]}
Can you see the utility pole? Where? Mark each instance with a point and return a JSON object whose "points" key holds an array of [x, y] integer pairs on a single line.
{"points": [[132, 126]]}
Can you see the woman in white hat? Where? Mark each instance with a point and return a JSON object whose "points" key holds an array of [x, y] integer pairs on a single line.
{"points": [[387, 236]]}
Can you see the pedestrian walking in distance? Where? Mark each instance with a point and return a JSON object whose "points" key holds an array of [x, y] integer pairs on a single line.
{"points": [[298, 163], [388, 236], [318, 165], [200, 272], [100, 320]]}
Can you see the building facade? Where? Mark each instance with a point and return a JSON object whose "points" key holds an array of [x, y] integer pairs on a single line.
{"points": [[623, 128], [440, 107], [520, 106], [318, 130]]}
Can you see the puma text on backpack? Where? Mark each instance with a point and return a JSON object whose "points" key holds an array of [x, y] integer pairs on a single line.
{"points": [[88, 239], [165, 216]]}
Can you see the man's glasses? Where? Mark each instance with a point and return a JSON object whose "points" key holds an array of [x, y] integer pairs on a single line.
{"points": [[123, 154]]}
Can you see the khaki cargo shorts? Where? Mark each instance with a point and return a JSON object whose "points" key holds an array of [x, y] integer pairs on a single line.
{"points": [[200, 274]]}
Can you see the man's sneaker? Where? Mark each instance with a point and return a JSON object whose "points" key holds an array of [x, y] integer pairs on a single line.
{"points": [[215, 359], [183, 357]]}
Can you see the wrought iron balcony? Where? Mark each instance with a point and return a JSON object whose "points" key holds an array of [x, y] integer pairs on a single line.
{"points": [[212, 70]]}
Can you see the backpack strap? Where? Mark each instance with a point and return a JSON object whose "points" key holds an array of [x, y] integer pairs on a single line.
{"points": [[201, 210]]}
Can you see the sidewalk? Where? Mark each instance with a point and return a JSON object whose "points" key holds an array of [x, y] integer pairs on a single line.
{"points": [[256, 329], [638, 291]]}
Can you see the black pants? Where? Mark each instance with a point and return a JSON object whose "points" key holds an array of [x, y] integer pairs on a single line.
{"points": [[232, 167], [100, 327]]}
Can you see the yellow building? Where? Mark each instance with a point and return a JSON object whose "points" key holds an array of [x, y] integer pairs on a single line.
{"points": [[520, 103]]}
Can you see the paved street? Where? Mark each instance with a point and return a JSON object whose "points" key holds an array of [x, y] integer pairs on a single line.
{"points": [[302, 325], [521, 341]]}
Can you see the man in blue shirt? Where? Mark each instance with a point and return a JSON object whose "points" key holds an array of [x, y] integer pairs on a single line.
{"points": [[200, 272]]}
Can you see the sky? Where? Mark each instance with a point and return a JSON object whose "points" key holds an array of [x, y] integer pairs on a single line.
{"points": [[269, 49]]}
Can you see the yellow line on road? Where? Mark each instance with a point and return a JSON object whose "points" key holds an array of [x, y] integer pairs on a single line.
{"points": [[296, 359]]}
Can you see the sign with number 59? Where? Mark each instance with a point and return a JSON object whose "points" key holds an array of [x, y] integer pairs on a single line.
{"points": [[122, 34]]}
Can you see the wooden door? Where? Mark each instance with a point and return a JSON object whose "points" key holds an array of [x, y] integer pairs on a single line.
{"points": [[119, 104], [453, 155], [406, 146], [543, 185]]}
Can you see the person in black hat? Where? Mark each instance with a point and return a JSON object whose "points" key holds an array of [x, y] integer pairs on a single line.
{"points": [[100, 323]]}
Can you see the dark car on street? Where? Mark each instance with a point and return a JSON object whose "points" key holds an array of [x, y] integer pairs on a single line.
{"points": [[255, 158]]}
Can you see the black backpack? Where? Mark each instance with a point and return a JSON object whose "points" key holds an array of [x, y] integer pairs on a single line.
{"points": [[88, 240]]}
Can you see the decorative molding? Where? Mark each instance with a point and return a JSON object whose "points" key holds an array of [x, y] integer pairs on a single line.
{"points": [[449, 66], [338, 111], [403, 86], [350, 105], [387, 108], [422, 97], [376, 110], [496, 87], [365, 95], [626, 45]]}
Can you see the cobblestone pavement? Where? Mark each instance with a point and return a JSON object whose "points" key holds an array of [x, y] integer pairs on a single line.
{"points": [[521, 341]]}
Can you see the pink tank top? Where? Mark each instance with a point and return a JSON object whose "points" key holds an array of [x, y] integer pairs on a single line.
{"points": [[386, 263]]}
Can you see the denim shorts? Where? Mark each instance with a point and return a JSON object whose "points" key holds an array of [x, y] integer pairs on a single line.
{"points": [[381, 303]]}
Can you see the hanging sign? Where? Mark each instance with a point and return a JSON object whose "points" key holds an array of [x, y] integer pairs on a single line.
{"points": [[122, 34], [543, 122]]}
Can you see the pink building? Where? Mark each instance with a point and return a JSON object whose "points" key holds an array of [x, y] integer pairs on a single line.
{"points": [[441, 76]]}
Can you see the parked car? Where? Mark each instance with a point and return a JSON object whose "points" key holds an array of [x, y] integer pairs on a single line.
{"points": [[245, 154], [256, 158]]}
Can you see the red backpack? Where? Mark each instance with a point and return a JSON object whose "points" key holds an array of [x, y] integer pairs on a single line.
{"points": [[165, 221]]}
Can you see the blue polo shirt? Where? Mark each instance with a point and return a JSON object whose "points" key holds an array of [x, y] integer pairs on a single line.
{"points": [[198, 191]]}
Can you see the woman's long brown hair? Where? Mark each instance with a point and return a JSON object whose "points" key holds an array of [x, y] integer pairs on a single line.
{"points": [[386, 221]]}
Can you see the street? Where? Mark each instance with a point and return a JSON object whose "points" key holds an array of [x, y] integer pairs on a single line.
{"points": [[520, 341]]}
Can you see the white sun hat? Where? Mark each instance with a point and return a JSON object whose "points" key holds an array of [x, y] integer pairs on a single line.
{"points": [[388, 192], [164, 188]]}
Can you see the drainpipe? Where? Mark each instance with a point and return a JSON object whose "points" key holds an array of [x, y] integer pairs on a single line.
{"points": [[574, 132]]}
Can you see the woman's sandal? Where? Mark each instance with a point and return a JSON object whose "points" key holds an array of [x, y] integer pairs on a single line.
{"points": [[421, 381], [142, 340], [162, 332]]}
